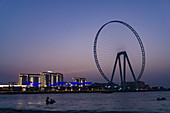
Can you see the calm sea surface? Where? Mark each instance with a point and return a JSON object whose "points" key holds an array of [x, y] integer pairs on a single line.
{"points": [[128, 102]]}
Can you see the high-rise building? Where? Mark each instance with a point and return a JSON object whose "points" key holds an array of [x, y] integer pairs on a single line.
{"points": [[44, 79]]}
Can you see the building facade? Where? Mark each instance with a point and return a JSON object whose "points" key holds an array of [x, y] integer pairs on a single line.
{"points": [[80, 80], [44, 79]]}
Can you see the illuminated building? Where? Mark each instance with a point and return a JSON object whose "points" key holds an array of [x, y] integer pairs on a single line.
{"points": [[44, 79], [49, 78], [78, 80]]}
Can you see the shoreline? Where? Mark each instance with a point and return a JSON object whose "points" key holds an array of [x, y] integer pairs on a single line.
{"points": [[62, 92]]}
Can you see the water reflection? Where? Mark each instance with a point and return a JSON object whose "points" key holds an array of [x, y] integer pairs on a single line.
{"points": [[144, 101]]}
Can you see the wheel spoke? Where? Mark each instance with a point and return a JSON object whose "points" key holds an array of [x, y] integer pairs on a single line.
{"points": [[105, 51]]}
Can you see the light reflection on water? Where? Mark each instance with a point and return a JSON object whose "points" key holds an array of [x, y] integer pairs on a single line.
{"points": [[129, 101]]}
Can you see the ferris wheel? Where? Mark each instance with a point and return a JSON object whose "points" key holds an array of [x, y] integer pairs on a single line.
{"points": [[118, 49]]}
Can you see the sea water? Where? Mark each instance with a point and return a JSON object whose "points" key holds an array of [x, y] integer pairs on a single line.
{"points": [[118, 102]]}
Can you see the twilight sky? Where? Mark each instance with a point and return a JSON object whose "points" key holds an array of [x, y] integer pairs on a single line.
{"points": [[58, 35]]}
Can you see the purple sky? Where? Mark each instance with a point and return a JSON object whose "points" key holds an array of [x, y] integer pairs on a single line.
{"points": [[58, 35]]}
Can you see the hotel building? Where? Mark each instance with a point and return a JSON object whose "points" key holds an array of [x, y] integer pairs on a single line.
{"points": [[44, 79]]}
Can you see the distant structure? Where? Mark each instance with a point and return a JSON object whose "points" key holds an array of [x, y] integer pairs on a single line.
{"points": [[44, 79], [122, 60], [141, 85], [80, 80]]}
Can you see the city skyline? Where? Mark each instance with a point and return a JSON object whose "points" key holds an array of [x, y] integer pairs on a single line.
{"points": [[54, 35]]}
